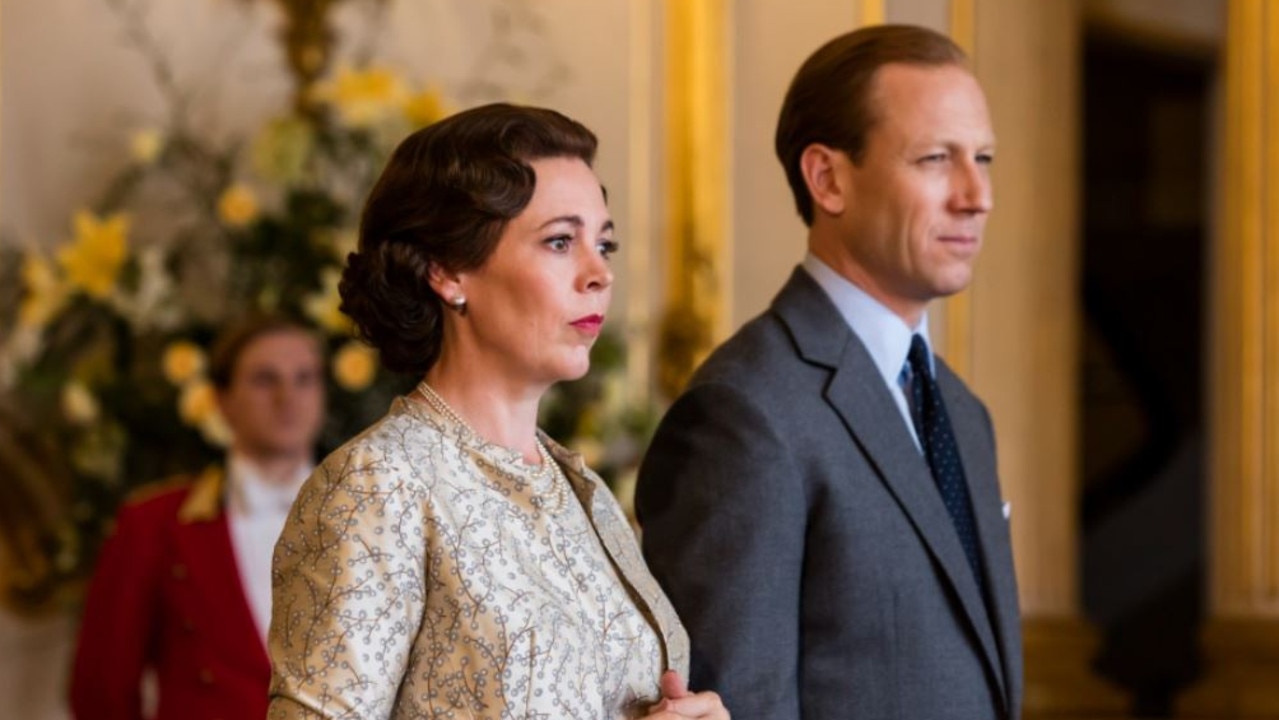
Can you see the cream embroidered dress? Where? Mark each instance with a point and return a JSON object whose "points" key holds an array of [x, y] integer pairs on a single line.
{"points": [[421, 574]]}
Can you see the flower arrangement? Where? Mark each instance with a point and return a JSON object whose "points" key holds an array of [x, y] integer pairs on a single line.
{"points": [[103, 383]]}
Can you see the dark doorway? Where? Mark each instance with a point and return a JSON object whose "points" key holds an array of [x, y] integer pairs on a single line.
{"points": [[1146, 129]]}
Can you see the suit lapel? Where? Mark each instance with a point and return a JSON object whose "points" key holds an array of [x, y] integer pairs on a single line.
{"points": [[857, 393], [971, 427]]}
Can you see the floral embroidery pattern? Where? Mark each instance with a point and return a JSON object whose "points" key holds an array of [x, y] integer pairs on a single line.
{"points": [[417, 577]]}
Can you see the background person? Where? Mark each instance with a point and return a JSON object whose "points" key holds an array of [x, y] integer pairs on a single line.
{"points": [[183, 585]]}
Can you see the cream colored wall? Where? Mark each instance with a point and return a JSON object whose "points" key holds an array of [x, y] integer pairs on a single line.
{"points": [[933, 14], [72, 93], [74, 90], [772, 39]]}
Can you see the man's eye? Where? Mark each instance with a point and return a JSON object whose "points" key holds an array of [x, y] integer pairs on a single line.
{"points": [[608, 247], [263, 380]]}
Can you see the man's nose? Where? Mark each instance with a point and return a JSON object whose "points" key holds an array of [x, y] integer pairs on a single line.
{"points": [[972, 191]]}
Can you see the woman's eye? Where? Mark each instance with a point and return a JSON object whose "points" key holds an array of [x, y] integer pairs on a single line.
{"points": [[559, 243], [608, 247]]}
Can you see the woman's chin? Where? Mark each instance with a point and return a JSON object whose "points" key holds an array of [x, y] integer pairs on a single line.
{"points": [[575, 370]]}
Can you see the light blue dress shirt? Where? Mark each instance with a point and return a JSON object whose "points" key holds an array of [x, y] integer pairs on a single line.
{"points": [[885, 335]]}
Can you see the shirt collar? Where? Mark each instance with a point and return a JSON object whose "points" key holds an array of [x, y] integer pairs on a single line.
{"points": [[885, 335], [251, 494]]}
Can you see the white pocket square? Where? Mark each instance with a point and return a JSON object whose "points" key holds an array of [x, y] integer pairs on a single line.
{"points": [[1008, 509]]}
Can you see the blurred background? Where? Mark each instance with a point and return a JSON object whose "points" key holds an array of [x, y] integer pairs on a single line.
{"points": [[167, 164]]}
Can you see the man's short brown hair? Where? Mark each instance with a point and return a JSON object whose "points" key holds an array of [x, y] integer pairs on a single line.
{"points": [[829, 101], [237, 336]]}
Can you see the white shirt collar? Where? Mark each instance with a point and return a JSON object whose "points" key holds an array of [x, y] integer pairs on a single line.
{"points": [[885, 335], [251, 494]]}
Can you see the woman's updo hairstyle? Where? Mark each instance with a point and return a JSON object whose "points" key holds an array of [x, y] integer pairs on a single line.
{"points": [[445, 197]]}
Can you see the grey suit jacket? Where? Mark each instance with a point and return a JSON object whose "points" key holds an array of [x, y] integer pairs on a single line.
{"points": [[796, 527]]}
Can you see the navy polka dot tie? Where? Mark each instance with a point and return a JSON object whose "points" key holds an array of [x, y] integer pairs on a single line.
{"points": [[932, 426]]}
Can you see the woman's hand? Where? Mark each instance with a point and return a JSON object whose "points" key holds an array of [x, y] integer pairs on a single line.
{"points": [[679, 704]]}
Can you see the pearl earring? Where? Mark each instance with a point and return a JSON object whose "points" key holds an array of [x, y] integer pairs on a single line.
{"points": [[458, 302]]}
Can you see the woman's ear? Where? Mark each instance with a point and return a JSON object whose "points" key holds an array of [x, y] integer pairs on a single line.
{"points": [[824, 170], [446, 283]]}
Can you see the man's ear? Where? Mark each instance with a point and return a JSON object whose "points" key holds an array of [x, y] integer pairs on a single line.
{"points": [[446, 283], [824, 170]]}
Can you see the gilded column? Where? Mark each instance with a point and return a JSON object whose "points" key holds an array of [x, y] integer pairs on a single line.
{"points": [[1014, 333], [698, 183], [871, 12], [1241, 636]]}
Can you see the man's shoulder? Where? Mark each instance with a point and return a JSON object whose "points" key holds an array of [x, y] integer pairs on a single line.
{"points": [[160, 495], [158, 503], [759, 345]]}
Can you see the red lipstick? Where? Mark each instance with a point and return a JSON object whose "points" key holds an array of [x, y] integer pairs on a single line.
{"points": [[590, 324]]}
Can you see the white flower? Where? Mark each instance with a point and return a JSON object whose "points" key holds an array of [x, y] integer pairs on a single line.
{"points": [[23, 345], [152, 305], [78, 403]]}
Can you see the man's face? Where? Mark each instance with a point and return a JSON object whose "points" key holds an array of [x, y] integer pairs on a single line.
{"points": [[918, 201], [274, 404]]}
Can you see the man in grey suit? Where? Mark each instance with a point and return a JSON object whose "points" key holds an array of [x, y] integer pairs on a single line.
{"points": [[821, 504]]}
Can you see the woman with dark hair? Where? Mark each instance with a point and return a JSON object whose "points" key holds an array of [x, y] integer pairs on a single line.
{"points": [[452, 560]]}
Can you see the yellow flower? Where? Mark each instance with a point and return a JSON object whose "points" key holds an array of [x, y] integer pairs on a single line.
{"points": [[323, 306], [182, 361], [145, 146], [237, 206], [197, 402], [215, 431], [94, 258], [44, 294], [78, 403], [425, 107], [354, 366], [363, 97]]}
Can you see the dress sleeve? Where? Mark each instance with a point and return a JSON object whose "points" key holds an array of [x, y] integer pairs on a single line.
{"points": [[723, 511], [348, 590], [118, 627]]}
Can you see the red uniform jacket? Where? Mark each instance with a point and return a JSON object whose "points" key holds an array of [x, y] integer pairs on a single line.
{"points": [[166, 595]]}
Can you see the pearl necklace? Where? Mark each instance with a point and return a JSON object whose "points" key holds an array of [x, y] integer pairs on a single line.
{"points": [[552, 500]]}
